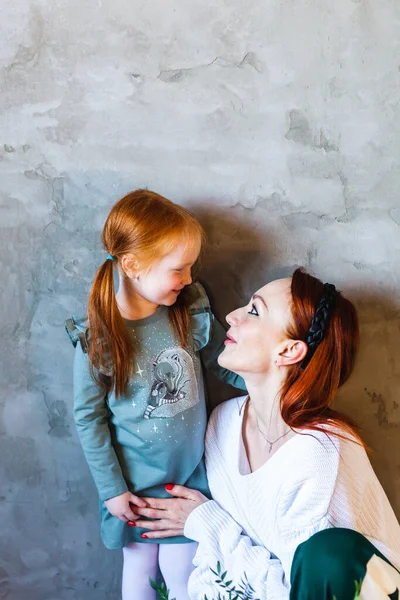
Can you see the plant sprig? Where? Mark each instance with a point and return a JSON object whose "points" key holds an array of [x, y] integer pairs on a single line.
{"points": [[244, 591]]}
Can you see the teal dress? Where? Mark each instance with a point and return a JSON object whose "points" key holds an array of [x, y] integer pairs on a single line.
{"points": [[154, 433]]}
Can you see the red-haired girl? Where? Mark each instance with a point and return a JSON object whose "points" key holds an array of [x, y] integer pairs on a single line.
{"points": [[139, 403]]}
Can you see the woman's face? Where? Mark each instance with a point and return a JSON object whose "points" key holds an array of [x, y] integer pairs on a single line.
{"points": [[257, 332]]}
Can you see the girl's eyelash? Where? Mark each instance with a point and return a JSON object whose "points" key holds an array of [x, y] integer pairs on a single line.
{"points": [[253, 308]]}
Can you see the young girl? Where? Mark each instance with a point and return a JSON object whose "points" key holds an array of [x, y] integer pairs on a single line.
{"points": [[139, 403]]}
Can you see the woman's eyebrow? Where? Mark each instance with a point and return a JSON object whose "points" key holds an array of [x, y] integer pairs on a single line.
{"points": [[258, 297]]}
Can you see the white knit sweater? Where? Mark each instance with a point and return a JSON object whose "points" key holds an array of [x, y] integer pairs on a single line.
{"points": [[256, 520]]}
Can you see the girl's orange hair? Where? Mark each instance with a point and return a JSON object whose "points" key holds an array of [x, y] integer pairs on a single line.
{"points": [[149, 226], [307, 393]]}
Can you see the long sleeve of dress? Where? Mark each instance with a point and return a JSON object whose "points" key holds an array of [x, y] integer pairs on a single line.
{"points": [[90, 414]]}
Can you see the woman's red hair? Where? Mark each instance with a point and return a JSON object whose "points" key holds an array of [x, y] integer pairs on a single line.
{"points": [[307, 393]]}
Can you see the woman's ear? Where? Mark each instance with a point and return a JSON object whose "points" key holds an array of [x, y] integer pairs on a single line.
{"points": [[291, 353], [130, 266]]}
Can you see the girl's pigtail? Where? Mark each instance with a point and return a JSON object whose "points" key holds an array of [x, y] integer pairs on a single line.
{"points": [[110, 349], [179, 318]]}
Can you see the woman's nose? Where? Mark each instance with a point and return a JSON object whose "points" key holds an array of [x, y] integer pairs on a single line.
{"points": [[233, 318]]}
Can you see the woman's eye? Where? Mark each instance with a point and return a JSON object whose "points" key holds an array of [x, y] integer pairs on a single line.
{"points": [[253, 310]]}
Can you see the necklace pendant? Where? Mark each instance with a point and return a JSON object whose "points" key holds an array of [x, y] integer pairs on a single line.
{"points": [[270, 448]]}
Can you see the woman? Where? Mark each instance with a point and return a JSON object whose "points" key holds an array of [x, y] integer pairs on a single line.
{"points": [[292, 487]]}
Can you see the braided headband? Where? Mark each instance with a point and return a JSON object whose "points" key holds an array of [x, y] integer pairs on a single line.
{"points": [[319, 324]]}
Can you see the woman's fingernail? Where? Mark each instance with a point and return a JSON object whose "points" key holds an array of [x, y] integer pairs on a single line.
{"points": [[131, 523], [169, 487], [144, 536]]}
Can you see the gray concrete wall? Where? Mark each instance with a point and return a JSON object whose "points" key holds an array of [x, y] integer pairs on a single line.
{"points": [[276, 121]]}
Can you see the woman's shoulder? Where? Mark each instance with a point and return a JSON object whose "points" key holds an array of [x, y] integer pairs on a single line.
{"points": [[225, 415], [314, 463], [323, 448], [222, 430], [229, 408]]}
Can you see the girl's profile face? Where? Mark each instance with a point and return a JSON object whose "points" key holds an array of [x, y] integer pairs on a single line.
{"points": [[162, 283], [257, 331]]}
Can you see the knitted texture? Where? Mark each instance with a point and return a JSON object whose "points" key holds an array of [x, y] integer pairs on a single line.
{"points": [[256, 520]]}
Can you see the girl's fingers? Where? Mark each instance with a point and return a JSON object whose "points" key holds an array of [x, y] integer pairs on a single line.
{"points": [[160, 503], [130, 515], [123, 518], [136, 500]]}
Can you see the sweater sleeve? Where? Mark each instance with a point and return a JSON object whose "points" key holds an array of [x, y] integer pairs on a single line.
{"points": [[222, 540], [91, 420]]}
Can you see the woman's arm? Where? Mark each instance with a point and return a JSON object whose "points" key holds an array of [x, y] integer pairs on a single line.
{"points": [[221, 540]]}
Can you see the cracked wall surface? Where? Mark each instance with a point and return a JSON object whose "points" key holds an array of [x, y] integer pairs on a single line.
{"points": [[277, 123]]}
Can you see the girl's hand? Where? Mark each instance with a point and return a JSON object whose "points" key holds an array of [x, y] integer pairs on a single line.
{"points": [[121, 506], [170, 514]]}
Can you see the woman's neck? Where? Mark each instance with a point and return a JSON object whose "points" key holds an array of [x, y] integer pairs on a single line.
{"points": [[131, 304], [264, 406], [263, 429]]}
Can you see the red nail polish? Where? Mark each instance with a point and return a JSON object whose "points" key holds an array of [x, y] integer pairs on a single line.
{"points": [[169, 487], [144, 536], [131, 523]]}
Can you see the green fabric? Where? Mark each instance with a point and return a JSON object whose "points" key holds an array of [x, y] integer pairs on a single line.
{"points": [[154, 434], [328, 564]]}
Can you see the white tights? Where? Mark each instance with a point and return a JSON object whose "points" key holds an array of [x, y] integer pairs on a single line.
{"points": [[141, 561]]}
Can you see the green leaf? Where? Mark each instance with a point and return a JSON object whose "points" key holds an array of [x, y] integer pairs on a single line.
{"points": [[153, 584], [214, 573], [161, 589]]}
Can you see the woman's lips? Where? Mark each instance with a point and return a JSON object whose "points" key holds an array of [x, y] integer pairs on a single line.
{"points": [[229, 340]]}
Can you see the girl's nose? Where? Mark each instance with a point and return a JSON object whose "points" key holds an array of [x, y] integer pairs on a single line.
{"points": [[187, 278]]}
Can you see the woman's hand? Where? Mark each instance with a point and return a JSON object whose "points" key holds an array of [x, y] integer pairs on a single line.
{"points": [[121, 506], [170, 514]]}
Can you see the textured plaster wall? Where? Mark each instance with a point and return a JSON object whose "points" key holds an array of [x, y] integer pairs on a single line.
{"points": [[277, 122]]}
